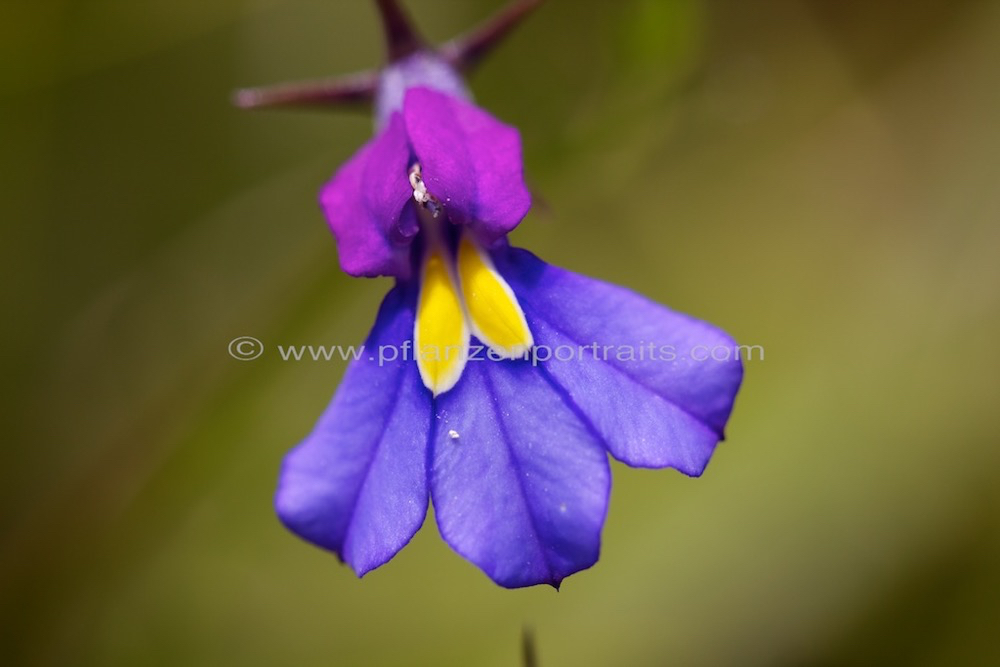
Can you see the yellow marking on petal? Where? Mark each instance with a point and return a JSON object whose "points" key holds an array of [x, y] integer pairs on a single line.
{"points": [[495, 315], [441, 336]]}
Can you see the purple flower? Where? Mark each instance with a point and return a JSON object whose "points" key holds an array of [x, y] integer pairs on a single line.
{"points": [[436, 143], [492, 383]]}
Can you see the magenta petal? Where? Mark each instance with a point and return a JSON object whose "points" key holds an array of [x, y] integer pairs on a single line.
{"points": [[357, 485], [364, 203], [469, 160], [647, 388], [519, 483], [421, 69]]}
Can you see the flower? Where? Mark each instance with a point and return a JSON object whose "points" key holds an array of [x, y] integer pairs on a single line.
{"points": [[511, 447]]}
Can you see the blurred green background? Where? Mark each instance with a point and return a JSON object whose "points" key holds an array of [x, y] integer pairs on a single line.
{"points": [[821, 178]]}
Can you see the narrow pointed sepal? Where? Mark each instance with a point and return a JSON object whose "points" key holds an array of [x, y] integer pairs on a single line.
{"points": [[657, 386], [467, 51], [401, 38], [353, 90], [519, 483], [403, 43], [357, 485]]}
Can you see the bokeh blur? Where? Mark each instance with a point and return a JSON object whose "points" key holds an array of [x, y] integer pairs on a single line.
{"points": [[820, 178]]}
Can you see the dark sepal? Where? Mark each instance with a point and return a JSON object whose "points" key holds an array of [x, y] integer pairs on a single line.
{"points": [[467, 51], [401, 41], [342, 91]]}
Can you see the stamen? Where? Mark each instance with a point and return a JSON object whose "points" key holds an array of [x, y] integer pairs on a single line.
{"points": [[420, 193]]}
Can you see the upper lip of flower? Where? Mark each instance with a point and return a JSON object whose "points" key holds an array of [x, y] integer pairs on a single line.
{"points": [[469, 161]]}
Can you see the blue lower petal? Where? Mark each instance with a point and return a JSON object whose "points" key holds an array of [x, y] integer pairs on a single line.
{"points": [[357, 485], [667, 409], [519, 483]]}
